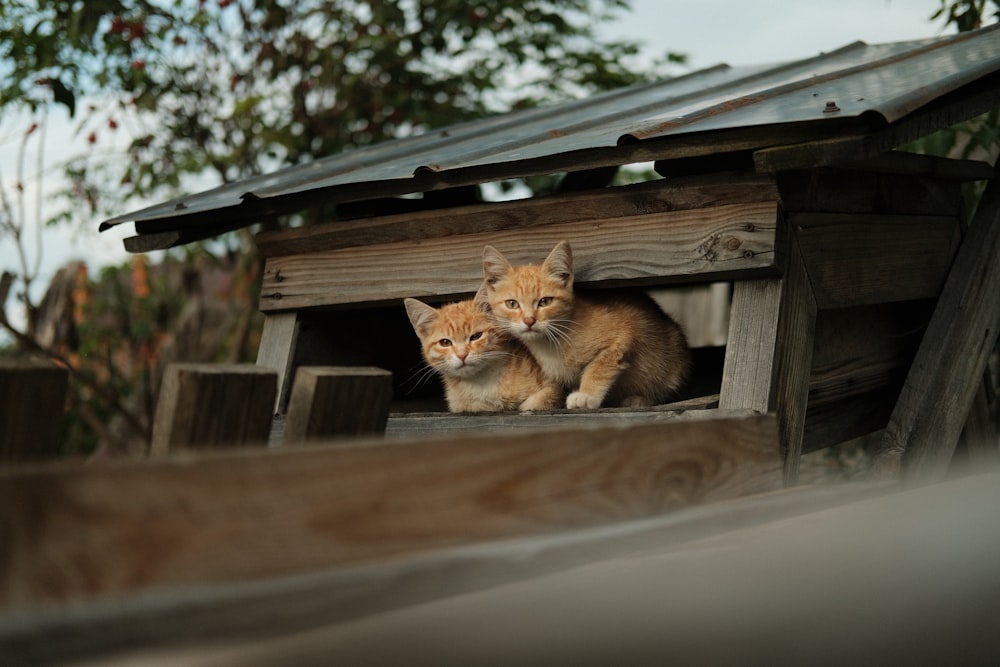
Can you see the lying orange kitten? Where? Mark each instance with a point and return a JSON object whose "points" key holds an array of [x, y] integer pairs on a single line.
{"points": [[607, 348], [482, 370]]}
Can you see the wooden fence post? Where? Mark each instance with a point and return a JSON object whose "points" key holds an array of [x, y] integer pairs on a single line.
{"points": [[213, 406], [948, 369], [328, 401], [32, 400]]}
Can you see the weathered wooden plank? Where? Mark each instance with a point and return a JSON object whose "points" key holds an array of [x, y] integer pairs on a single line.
{"points": [[405, 425], [213, 405], [835, 190], [597, 205], [795, 343], [748, 375], [868, 259], [850, 147], [278, 343], [948, 369], [293, 605], [86, 532], [666, 605], [769, 354], [981, 440], [32, 400], [865, 348], [859, 364], [917, 164], [337, 402], [703, 244]]}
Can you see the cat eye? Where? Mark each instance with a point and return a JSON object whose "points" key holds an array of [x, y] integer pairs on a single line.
{"points": [[476, 336], [544, 301], [511, 303], [444, 342]]}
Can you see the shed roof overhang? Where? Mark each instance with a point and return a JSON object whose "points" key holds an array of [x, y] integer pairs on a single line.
{"points": [[851, 104]]}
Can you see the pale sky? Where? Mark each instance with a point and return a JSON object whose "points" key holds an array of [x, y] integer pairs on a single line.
{"points": [[750, 32], [736, 32]]}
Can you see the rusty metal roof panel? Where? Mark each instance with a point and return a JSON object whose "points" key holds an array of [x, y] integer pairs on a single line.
{"points": [[890, 80]]}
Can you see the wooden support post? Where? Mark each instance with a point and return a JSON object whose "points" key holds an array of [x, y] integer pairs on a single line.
{"points": [[32, 400], [338, 401], [277, 352], [748, 375], [980, 430], [769, 353], [213, 406], [948, 369]]}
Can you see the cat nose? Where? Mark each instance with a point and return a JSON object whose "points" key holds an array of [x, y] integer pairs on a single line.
{"points": [[462, 354], [530, 321]]}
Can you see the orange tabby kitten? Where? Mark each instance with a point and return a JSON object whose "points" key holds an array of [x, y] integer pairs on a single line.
{"points": [[482, 370], [607, 348]]}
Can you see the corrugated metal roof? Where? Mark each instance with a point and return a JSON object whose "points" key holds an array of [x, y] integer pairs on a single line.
{"points": [[889, 80]]}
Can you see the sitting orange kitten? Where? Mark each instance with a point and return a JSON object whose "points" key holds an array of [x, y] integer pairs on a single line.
{"points": [[482, 370], [607, 348]]}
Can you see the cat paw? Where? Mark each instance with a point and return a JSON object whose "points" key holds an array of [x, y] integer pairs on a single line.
{"points": [[579, 400], [532, 404]]}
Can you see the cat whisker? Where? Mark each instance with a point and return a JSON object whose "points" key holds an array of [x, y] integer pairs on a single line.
{"points": [[559, 331], [419, 378]]}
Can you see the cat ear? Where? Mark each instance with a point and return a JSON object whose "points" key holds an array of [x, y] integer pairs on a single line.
{"points": [[495, 265], [421, 315], [559, 263], [482, 298]]}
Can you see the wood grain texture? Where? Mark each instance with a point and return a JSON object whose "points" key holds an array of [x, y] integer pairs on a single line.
{"points": [[865, 259], [665, 606], [750, 365], [212, 406], [599, 204], [794, 343], [337, 402], [948, 369], [32, 400], [101, 531], [403, 425], [278, 342], [678, 246], [982, 442], [287, 606], [769, 354]]}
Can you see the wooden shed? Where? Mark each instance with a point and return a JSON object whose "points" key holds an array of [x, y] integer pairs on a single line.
{"points": [[859, 299], [783, 181]]}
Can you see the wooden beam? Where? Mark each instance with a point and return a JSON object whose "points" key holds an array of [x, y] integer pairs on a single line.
{"points": [[869, 259], [702, 244], [769, 354], [918, 164], [408, 425], [331, 402], [597, 205], [928, 548], [978, 98], [32, 401], [107, 530], [835, 190], [187, 620], [948, 369], [213, 405], [795, 345], [278, 343], [750, 365], [982, 442]]}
